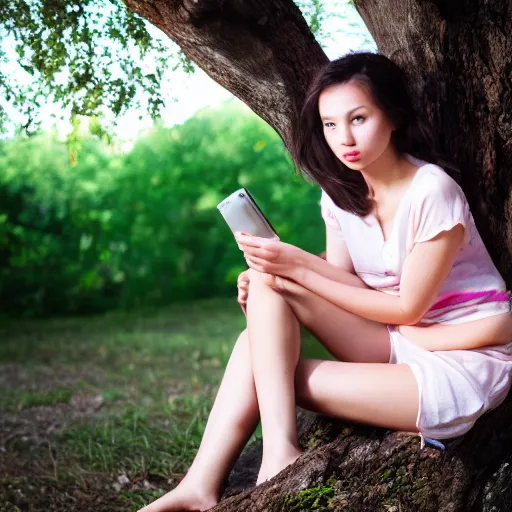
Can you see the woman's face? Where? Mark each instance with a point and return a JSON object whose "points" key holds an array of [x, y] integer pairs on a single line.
{"points": [[355, 128]]}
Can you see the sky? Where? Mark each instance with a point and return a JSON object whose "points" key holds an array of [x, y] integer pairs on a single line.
{"points": [[191, 92]]}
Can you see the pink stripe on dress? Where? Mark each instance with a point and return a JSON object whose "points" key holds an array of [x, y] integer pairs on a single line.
{"points": [[453, 298]]}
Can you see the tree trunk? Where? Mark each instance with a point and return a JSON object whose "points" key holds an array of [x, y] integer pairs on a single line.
{"points": [[458, 56], [367, 469], [262, 51], [459, 59]]}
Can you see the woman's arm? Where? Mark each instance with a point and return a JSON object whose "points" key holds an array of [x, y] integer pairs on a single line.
{"points": [[492, 330], [338, 265], [423, 272]]}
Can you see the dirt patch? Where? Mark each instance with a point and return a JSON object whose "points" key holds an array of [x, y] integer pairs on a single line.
{"points": [[33, 426], [40, 377], [12, 374], [94, 493], [37, 474], [29, 463], [30, 476], [36, 424]]}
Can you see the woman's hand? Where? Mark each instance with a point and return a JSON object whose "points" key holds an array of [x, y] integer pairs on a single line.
{"points": [[271, 256], [243, 290]]}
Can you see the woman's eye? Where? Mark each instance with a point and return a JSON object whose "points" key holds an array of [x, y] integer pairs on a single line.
{"points": [[358, 120], [328, 124]]}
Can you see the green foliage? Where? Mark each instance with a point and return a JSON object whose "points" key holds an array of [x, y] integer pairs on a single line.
{"points": [[313, 12], [95, 228], [86, 54], [95, 56]]}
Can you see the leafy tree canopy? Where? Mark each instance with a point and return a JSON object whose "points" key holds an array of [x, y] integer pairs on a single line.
{"points": [[93, 55]]}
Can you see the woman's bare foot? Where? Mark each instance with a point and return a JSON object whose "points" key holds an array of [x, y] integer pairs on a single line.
{"points": [[271, 468], [181, 499]]}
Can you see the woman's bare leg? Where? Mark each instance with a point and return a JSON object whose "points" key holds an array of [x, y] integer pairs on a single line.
{"points": [[385, 395], [274, 335], [345, 335], [372, 392], [232, 421], [274, 317]]}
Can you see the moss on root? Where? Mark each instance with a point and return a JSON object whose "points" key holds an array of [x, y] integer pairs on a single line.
{"points": [[314, 499], [317, 438]]}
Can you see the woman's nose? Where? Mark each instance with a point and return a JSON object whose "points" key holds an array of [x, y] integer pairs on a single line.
{"points": [[345, 137]]}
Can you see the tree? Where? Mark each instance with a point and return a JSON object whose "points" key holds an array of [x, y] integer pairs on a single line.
{"points": [[459, 59]]}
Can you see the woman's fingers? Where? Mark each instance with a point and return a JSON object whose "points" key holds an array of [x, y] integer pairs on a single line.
{"points": [[242, 300], [243, 290], [254, 246], [261, 265], [253, 251], [243, 281], [249, 240], [243, 277]]}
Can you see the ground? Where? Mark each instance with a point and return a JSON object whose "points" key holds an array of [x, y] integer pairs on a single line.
{"points": [[105, 413]]}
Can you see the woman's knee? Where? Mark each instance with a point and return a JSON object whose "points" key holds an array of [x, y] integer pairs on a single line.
{"points": [[243, 338], [285, 287], [260, 279]]}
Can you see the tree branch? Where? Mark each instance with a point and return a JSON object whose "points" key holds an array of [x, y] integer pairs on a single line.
{"points": [[261, 51]]}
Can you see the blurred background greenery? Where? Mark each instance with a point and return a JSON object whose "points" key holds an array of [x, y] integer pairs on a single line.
{"points": [[106, 411], [118, 308], [90, 227], [89, 223]]}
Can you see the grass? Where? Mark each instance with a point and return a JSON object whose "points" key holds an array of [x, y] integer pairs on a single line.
{"points": [[38, 398], [126, 393]]}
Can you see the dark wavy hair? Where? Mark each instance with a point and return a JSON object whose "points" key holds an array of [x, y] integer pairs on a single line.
{"points": [[386, 83]]}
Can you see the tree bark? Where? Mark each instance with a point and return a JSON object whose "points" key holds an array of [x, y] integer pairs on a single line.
{"points": [[367, 469], [458, 56], [262, 51]]}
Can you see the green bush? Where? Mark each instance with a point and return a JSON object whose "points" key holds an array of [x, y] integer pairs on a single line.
{"points": [[111, 229]]}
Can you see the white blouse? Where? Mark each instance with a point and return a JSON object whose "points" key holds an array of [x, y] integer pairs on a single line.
{"points": [[433, 203]]}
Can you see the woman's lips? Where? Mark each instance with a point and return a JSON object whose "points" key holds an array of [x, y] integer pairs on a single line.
{"points": [[352, 156]]}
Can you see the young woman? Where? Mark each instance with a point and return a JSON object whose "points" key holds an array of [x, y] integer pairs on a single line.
{"points": [[408, 300]]}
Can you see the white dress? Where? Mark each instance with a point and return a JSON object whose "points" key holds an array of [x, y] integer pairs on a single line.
{"points": [[456, 386]]}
